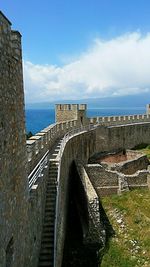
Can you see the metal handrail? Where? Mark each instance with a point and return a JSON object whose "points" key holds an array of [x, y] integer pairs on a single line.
{"points": [[37, 171]]}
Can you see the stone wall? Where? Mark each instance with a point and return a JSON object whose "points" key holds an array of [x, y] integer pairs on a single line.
{"points": [[134, 161], [131, 166], [122, 137], [104, 181], [120, 120], [36, 209], [96, 233], [108, 182], [43, 141], [13, 177], [67, 112], [81, 146]]}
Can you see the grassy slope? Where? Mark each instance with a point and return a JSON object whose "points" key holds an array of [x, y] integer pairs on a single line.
{"points": [[146, 151], [129, 215], [144, 148]]}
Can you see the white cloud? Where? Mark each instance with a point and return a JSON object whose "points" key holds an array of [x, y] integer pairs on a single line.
{"points": [[120, 66]]}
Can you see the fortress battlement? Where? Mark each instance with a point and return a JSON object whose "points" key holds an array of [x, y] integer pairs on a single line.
{"points": [[36, 174]]}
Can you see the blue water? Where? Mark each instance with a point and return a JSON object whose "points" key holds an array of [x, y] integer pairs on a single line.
{"points": [[37, 119]]}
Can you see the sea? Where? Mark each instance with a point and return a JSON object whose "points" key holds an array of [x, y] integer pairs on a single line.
{"points": [[38, 119]]}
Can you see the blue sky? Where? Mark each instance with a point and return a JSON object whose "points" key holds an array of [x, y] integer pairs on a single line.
{"points": [[61, 37]]}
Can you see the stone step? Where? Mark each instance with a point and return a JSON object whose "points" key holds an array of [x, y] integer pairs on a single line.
{"points": [[46, 251], [48, 224], [48, 234], [48, 230], [52, 172], [49, 216], [48, 219], [51, 196], [47, 245], [49, 208], [52, 183], [48, 240], [45, 264], [52, 177], [46, 257], [51, 189], [51, 199], [50, 205], [51, 192], [50, 211]]}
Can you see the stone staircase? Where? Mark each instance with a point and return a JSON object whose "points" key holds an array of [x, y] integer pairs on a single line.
{"points": [[46, 256]]}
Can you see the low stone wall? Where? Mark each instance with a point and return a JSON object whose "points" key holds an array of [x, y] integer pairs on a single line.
{"points": [[96, 233], [130, 182], [104, 181], [107, 182], [137, 161], [131, 166]]}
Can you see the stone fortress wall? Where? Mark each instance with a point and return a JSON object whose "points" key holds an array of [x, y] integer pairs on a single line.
{"points": [[13, 177], [104, 138], [120, 120], [69, 117], [21, 202]]}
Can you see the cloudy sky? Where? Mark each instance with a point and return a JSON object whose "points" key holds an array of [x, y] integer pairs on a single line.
{"points": [[80, 49]]}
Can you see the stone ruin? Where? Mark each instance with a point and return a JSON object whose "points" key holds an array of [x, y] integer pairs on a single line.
{"points": [[118, 171]]}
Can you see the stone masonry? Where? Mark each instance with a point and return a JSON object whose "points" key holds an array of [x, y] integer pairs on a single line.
{"points": [[21, 206], [13, 178], [66, 112]]}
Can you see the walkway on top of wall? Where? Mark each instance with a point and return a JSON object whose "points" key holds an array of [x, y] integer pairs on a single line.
{"points": [[53, 159], [129, 124]]}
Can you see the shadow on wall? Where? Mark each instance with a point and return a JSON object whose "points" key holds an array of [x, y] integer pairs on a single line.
{"points": [[76, 252]]}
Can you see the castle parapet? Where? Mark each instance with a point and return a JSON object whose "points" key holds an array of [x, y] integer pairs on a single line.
{"points": [[67, 112]]}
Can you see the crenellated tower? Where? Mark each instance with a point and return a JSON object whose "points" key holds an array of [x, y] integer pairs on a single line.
{"points": [[66, 112]]}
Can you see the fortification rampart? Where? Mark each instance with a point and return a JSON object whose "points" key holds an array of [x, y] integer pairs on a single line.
{"points": [[22, 210], [80, 146], [43, 141], [119, 120]]}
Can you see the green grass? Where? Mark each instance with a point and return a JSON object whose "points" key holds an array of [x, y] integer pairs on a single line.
{"points": [[131, 245], [116, 257], [144, 148]]}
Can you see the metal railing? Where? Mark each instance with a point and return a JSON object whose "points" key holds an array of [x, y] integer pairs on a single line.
{"points": [[37, 171]]}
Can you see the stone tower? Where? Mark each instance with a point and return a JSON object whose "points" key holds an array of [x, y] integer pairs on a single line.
{"points": [[13, 178], [66, 112]]}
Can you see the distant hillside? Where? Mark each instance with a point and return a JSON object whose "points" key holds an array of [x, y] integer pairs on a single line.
{"points": [[121, 101]]}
